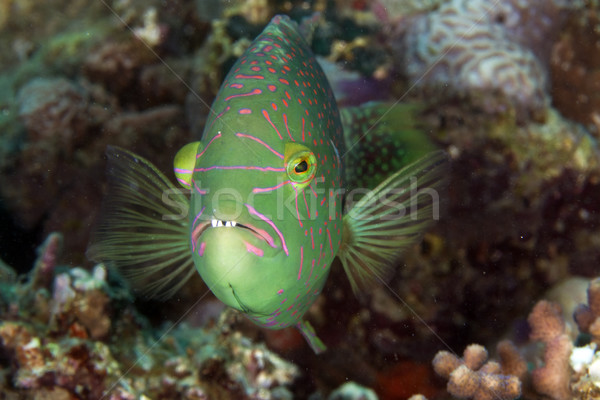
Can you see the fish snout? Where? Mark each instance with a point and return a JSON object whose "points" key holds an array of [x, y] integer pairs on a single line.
{"points": [[228, 210]]}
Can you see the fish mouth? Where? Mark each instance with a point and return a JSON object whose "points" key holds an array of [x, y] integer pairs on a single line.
{"points": [[214, 223]]}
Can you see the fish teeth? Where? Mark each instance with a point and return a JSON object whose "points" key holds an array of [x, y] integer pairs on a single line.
{"points": [[216, 223]]}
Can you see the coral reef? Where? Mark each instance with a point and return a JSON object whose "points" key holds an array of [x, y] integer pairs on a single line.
{"points": [[587, 316], [522, 212], [75, 333], [495, 54], [352, 391], [547, 325], [585, 361], [575, 67], [473, 378]]}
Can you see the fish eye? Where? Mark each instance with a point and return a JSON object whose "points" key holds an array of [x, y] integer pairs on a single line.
{"points": [[302, 167]]}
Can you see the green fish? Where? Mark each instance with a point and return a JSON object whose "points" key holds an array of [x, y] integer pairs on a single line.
{"points": [[268, 207]]}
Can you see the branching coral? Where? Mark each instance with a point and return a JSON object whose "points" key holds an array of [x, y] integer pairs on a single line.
{"points": [[473, 378], [587, 315], [547, 325]]}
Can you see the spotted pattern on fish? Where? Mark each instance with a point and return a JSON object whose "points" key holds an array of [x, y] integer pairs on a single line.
{"points": [[275, 103]]}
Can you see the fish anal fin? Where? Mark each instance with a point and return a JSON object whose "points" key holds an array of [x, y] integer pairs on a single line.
{"points": [[391, 217], [139, 231], [308, 332]]}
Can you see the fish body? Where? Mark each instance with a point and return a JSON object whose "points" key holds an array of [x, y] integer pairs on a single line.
{"points": [[266, 210], [269, 175]]}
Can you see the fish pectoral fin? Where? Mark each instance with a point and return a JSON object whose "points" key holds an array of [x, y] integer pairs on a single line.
{"points": [[389, 219], [308, 332], [142, 229]]}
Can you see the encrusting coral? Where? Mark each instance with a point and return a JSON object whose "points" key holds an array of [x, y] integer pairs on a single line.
{"points": [[547, 326], [483, 49], [473, 377], [587, 316]]}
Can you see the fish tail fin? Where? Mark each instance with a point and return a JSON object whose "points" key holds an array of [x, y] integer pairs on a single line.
{"points": [[390, 218], [143, 227], [381, 138], [308, 332]]}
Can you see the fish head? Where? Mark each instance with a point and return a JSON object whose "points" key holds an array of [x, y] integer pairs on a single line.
{"points": [[266, 179], [265, 213]]}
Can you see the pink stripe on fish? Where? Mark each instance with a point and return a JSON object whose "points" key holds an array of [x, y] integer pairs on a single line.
{"points": [[245, 167], [218, 135], [250, 248], [306, 203], [312, 267], [242, 76], [251, 93], [297, 210], [244, 135], [301, 261], [198, 190], [201, 249], [183, 183], [198, 216], [269, 189], [244, 111], [287, 127], [253, 211], [218, 116], [265, 113]]}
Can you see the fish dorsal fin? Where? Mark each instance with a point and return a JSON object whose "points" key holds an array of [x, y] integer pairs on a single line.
{"points": [[143, 226], [381, 138], [390, 218]]}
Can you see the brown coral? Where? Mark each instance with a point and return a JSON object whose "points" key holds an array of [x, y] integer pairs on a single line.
{"points": [[587, 316], [548, 326], [473, 378]]}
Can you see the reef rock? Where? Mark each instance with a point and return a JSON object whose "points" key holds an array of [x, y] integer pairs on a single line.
{"points": [[495, 53]]}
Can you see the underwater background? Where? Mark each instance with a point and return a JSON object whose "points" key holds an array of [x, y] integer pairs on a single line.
{"points": [[509, 89]]}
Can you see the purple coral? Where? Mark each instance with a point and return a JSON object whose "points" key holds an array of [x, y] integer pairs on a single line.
{"points": [[547, 325], [47, 260], [587, 316], [473, 377], [483, 49]]}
